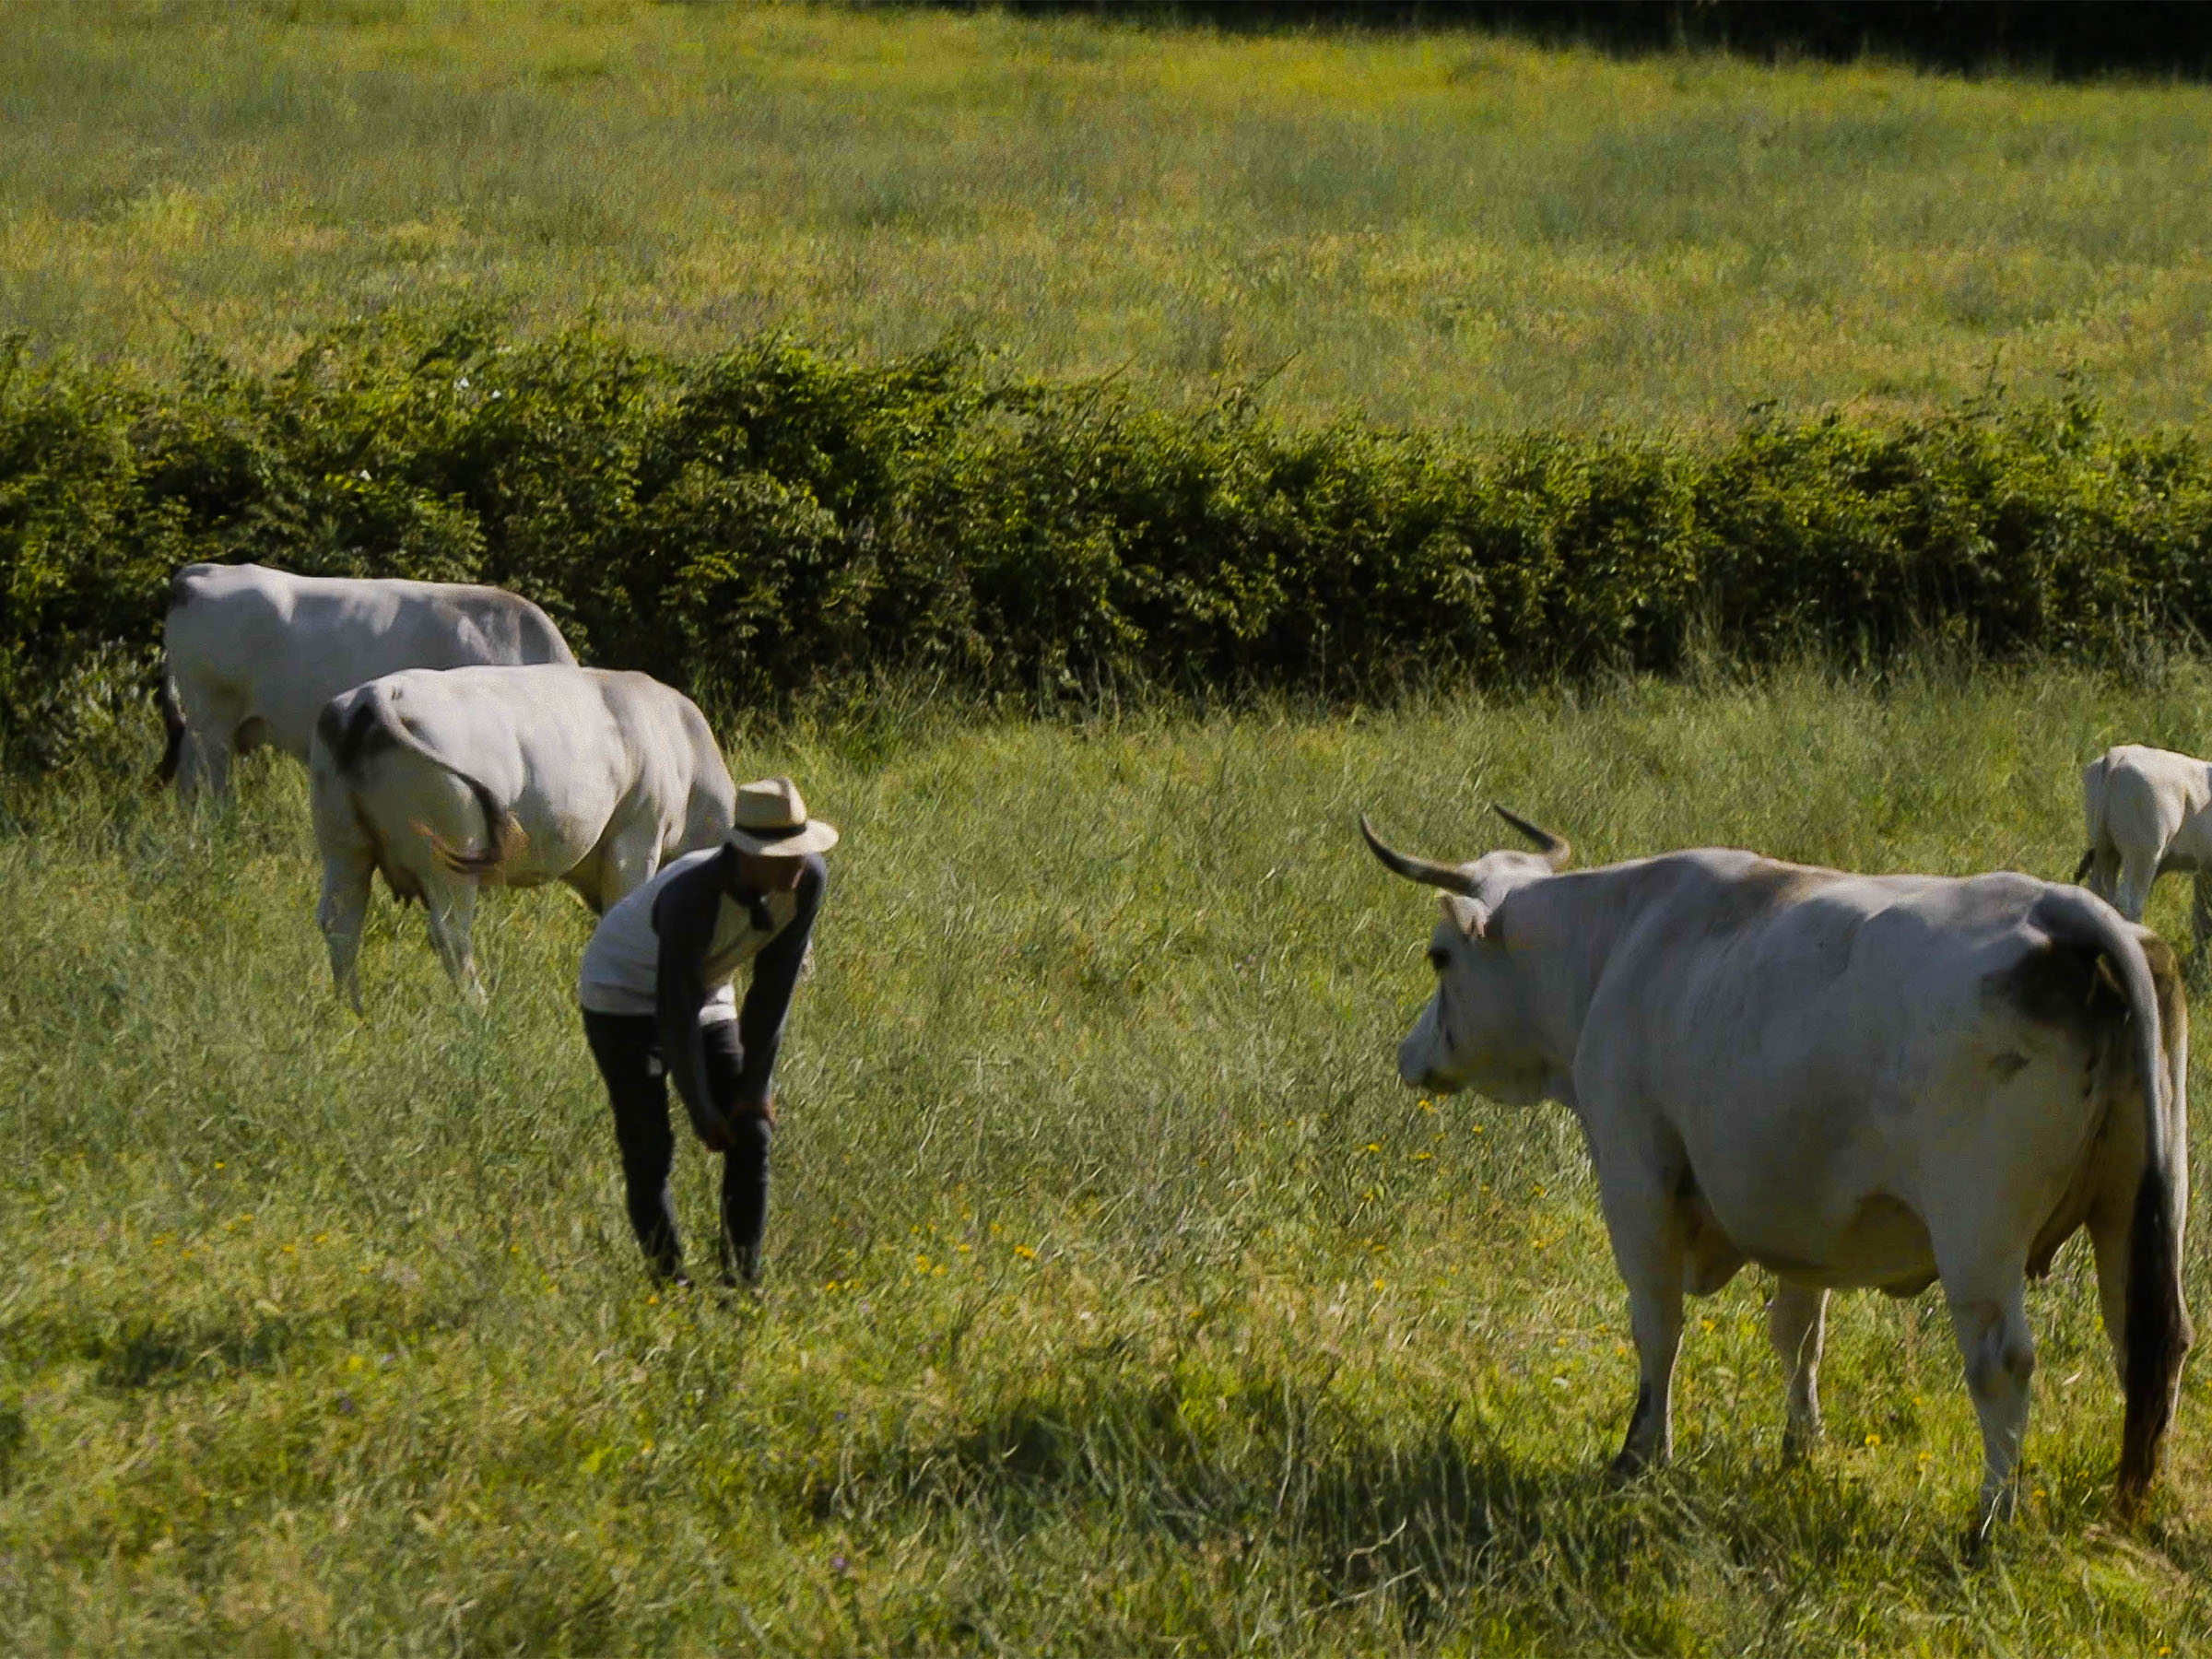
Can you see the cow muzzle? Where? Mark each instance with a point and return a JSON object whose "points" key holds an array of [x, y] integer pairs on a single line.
{"points": [[1422, 1057]]}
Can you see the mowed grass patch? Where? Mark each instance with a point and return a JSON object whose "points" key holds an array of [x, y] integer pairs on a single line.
{"points": [[1119, 1299], [1419, 227]]}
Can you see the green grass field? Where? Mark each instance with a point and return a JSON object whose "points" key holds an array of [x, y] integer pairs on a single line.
{"points": [[1119, 1300], [1421, 228]]}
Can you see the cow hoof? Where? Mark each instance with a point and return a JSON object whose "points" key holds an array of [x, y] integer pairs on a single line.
{"points": [[1974, 1549], [1797, 1443]]}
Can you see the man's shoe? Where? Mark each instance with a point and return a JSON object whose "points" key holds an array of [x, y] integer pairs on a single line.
{"points": [[742, 1263]]}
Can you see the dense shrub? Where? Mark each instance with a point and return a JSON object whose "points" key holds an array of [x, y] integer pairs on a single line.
{"points": [[777, 521]]}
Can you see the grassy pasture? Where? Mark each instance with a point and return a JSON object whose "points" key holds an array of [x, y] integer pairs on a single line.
{"points": [[1119, 1300], [1424, 228]]}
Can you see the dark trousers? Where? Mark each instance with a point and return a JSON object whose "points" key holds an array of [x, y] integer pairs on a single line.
{"points": [[628, 1048]]}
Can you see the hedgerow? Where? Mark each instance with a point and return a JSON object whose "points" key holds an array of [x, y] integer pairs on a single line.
{"points": [[762, 525]]}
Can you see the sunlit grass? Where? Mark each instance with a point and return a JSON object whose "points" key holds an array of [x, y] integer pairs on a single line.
{"points": [[1119, 1299], [1421, 228]]}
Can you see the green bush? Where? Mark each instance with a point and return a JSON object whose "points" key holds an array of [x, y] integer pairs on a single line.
{"points": [[780, 521]]}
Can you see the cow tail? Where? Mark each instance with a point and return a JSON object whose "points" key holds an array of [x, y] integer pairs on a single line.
{"points": [[2158, 1335], [2092, 811], [503, 838], [2159, 1332], [373, 728], [172, 719]]}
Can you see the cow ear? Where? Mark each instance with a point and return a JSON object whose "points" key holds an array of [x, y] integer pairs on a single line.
{"points": [[1469, 915]]}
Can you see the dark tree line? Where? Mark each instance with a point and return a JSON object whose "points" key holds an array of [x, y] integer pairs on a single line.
{"points": [[2069, 39]]}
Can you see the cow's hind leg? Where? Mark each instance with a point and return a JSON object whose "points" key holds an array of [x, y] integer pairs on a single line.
{"points": [[340, 915], [2131, 893], [2109, 1224], [1989, 1316], [1796, 1326], [207, 718], [204, 767], [2104, 871], [452, 904], [172, 726], [1646, 1234]]}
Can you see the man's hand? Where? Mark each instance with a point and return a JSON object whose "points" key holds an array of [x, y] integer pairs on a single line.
{"points": [[764, 1109], [712, 1129]]}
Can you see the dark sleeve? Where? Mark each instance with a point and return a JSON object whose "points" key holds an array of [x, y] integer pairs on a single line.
{"points": [[683, 919], [775, 973]]}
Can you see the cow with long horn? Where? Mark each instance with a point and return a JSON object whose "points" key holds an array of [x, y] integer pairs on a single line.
{"points": [[1854, 1082]]}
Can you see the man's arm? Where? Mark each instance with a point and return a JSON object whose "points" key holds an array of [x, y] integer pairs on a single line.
{"points": [[767, 998], [683, 919]]}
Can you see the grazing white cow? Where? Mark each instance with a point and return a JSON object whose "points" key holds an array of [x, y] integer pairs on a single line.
{"points": [[1853, 1081], [2150, 810], [582, 775], [252, 654]]}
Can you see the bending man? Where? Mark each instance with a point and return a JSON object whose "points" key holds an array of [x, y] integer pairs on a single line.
{"points": [[657, 998]]}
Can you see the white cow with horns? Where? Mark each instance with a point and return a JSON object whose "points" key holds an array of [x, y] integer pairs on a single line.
{"points": [[2150, 810], [1853, 1081], [442, 778], [250, 654]]}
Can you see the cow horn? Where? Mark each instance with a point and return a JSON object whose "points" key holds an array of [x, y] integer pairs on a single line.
{"points": [[1557, 849], [1417, 869]]}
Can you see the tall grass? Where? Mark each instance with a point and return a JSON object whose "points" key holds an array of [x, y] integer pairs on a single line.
{"points": [[1119, 1300], [1427, 227]]}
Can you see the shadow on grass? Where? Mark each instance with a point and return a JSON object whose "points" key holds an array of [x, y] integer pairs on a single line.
{"points": [[138, 1352], [1428, 1519], [152, 1356]]}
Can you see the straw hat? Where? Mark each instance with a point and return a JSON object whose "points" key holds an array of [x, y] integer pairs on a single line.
{"points": [[772, 820]]}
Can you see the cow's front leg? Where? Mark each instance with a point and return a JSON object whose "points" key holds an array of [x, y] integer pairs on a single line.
{"points": [[1796, 1326], [1990, 1319], [1646, 1233], [631, 860]]}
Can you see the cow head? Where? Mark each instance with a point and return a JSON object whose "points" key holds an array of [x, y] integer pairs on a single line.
{"points": [[1473, 1033]]}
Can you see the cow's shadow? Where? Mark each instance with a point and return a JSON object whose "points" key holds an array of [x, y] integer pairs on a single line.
{"points": [[156, 1354], [1423, 1521], [153, 1352], [149, 1352]]}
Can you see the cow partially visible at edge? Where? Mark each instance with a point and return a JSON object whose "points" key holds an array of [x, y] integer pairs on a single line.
{"points": [[444, 779], [2148, 812], [1876, 1081], [251, 654]]}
